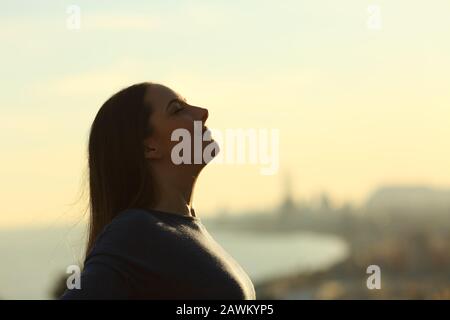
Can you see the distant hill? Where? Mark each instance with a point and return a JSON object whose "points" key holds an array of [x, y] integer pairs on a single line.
{"points": [[409, 197]]}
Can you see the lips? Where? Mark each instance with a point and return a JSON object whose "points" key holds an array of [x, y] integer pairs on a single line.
{"points": [[206, 134]]}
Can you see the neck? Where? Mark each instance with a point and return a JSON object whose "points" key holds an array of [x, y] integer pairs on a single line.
{"points": [[175, 192]]}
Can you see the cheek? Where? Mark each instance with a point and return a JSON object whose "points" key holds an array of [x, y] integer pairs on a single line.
{"points": [[183, 123], [170, 129]]}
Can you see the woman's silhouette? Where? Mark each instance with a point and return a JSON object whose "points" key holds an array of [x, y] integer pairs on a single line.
{"points": [[145, 239]]}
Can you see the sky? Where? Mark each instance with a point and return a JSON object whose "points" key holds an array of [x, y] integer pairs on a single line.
{"points": [[357, 89]]}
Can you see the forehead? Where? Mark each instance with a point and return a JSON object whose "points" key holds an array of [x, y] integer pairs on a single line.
{"points": [[159, 95]]}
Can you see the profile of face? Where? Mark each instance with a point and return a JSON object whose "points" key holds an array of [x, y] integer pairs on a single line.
{"points": [[171, 111]]}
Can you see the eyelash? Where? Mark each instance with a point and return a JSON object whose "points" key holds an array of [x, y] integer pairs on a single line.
{"points": [[180, 108]]}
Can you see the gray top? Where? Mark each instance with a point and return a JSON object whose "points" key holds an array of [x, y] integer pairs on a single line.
{"points": [[153, 254]]}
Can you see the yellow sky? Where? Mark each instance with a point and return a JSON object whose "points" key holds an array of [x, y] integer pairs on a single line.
{"points": [[356, 108]]}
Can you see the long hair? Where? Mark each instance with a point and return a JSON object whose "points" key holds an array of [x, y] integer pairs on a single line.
{"points": [[118, 175]]}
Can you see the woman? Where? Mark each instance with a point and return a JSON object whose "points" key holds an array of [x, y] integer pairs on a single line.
{"points": [[145, 239]]}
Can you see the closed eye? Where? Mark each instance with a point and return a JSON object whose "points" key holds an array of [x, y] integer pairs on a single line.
{"points": [[175, 105], [178, 106]]}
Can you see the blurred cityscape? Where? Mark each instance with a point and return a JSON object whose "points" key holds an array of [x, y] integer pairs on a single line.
{"points": [[405, 230]]}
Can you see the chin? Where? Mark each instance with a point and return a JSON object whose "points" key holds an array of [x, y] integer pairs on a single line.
{"points": [[216, 148]]}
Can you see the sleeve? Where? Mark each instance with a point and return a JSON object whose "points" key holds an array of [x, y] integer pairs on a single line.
{"points": [[101, 278], [113, 261]]}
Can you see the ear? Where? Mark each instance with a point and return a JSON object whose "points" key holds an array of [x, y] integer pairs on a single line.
{"points": [[151, 149]]}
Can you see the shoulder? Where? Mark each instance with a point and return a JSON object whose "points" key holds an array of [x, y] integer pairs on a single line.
{"points": [[129, 230], [135, 218], [132, 221]]}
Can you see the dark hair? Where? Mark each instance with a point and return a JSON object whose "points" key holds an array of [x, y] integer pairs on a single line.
{"points": [[118, 175]]}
